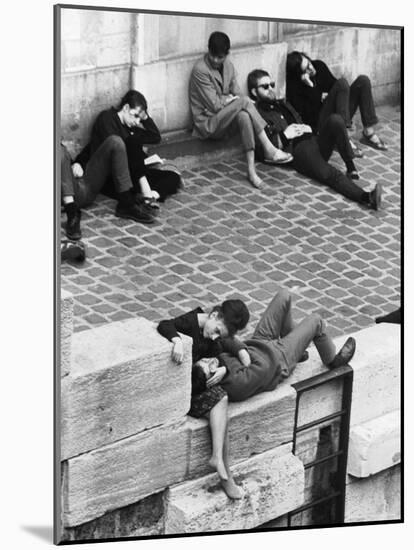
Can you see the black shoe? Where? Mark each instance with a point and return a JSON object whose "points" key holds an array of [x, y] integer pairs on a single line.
{"points": [[72, 252], [305, 357], [352, 175], [72, 228], [134, 212], [375, 197], [344, 355]]}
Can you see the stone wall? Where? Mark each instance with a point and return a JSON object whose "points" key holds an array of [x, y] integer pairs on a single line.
{"points": [[133, 463], [103, 54]]}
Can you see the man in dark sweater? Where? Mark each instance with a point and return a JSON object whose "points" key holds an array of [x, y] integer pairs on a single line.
{"points": [[315, 93], [311, 153], [275, 348]]}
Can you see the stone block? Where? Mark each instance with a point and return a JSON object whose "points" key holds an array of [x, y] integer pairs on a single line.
{"points": [[377, 365], [256, 425], [374, 498], [122, 381], [375, 445], [66, 330], [272, 483], [125, 472]]}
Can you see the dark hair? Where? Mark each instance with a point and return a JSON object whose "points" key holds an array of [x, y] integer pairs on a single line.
{"points": [[234, 313], [219, 43], [198, 380], [134, 99], [252, 78], [294, 65]]}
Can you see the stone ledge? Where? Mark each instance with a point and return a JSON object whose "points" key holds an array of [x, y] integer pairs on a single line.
{"points": [[375, 445], [66, 330], [272, 482], [121, 374], [157, 458]]}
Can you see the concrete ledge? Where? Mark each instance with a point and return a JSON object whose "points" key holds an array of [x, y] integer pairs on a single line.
{"points": [[375, 445], [272, 483], [66, 330], [374, 498], [122, 381], [124, 472]]}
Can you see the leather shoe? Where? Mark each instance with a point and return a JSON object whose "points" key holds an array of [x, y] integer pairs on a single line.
{"points": [[305, 357], [344, 355], [72, 228]]}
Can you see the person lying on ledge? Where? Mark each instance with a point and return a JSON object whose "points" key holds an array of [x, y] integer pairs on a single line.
{"points": [[218, 109], [311, 153], [275, 348], [207, 331]]}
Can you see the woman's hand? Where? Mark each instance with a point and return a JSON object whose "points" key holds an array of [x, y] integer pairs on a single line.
{"points": [[306, 79], [217, 377], [177, 353], [230, 98], [77, 170]]}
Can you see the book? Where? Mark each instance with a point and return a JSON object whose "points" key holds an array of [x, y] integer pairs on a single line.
{"points": [[153, 159]]}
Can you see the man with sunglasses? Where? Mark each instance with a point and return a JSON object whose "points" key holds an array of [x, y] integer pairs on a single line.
{"points": [[310, 153]]}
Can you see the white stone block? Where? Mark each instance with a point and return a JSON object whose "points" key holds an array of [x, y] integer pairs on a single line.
{"points": [[377, 365], [125, 472], [256, 425], [66, 330], [272, 483], [122, 381], [375, 445], [374, 498]]}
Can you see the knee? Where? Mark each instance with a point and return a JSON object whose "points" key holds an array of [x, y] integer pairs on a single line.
{"points": [[363, 80], [342, 84], [242, 117], [336, 121], [115, 142]]}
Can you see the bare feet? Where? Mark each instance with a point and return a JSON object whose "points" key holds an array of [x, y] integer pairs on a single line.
{"points": [[231, 489], [218, 465], [255, 180]]}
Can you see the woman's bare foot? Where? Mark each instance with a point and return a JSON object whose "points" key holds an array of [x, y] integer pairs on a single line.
{"points": [[254, 180], [218, 465], [231, 489]]}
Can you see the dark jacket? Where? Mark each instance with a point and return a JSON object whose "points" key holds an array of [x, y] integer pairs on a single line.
{"points": [[306, 100], [278, 114]]}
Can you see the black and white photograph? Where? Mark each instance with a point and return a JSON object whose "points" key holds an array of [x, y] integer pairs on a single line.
{"points": [[230, 260], [222, 196]]}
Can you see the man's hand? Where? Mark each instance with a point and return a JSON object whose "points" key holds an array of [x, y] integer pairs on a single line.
{"points": [[77, 170], [294, 130], [306, 128], [177, 352], [230, 98], [306, 79], [217, 377]]}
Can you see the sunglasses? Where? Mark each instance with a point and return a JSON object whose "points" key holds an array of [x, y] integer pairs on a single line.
{"points": [[267, 86]]}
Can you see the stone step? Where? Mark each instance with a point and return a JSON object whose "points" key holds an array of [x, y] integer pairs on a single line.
{"points": [[272, 483], [66, 330], [122, 381], [375, 445], [152, 460]]}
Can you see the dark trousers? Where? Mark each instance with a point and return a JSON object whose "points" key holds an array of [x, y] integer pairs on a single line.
{"points": [[165, 182], [108, 162], [310, 158], [345, 100], [276, 326]]}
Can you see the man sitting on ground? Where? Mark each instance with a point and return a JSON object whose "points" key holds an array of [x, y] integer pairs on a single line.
{"points": [[216, 105], [310, 153]]}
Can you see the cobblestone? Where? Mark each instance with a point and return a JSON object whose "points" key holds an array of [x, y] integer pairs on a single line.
{"points": [[220, 238]]}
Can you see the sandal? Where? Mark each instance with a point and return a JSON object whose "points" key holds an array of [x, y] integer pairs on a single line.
{"points": [[151, 203], [284, 158], [356, 150], [375, 144], [353, 175], [72, 251]]}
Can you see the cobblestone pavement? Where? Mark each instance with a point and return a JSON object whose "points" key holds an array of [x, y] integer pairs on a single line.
{"points": [[220, 238]]}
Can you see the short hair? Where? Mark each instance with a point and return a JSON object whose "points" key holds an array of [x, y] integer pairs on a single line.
{"points": [[219, 43], [134, 99], [252, 78], [294, 64], [234, 314], [198, 380]]}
